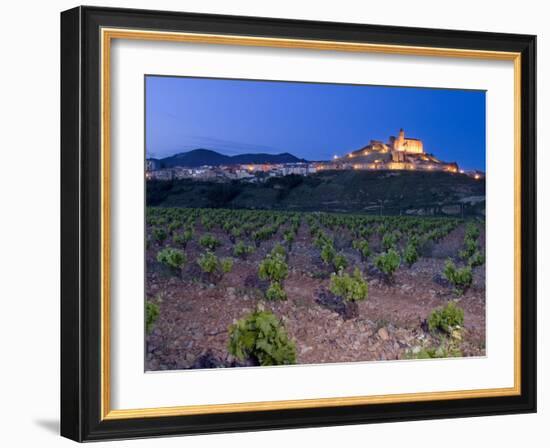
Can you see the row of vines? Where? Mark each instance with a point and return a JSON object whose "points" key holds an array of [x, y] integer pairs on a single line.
{"points": [[345, 243]]}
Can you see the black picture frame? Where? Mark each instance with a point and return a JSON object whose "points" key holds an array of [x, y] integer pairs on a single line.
{"points": [[81, 224]]}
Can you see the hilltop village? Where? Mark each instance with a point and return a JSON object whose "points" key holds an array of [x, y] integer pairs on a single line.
{"points": [[398, 153]]}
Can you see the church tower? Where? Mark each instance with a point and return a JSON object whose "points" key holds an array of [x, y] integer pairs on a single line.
{"points": [[400, 141]]}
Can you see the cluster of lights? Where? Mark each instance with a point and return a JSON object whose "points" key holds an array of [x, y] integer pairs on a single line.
{"points": [[378, 163]]}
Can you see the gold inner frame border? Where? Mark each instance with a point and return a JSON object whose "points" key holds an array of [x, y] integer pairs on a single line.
{"points": [[107, 35]]}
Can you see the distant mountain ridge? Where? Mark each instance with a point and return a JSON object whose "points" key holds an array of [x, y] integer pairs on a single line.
{"points": [[201, 156]]}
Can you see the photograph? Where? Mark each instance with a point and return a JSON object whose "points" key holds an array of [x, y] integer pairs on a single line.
{"points": [[310, 223], [285, 221]]}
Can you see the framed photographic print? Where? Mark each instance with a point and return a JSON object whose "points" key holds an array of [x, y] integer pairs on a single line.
{"points": [[276, 224]]}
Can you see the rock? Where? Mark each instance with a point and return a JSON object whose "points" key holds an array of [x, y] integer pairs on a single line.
{"points": [[305, 349], [207, 360], [383, 334]]}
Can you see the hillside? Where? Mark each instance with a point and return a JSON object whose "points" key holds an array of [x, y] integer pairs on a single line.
{"points": [[200, 157], [384, 192]]}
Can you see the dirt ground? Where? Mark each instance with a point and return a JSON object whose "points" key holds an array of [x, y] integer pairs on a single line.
{"points": [[195, 313]]}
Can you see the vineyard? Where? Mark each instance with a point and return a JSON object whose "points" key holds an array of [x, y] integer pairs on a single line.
{"points": [[229, 288]]}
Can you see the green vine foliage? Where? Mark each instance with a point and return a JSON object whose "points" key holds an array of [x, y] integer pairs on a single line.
{"points": [[471, 252], [363, 247], [389, 241], [209, 242], [477, 259], [470, 247], [183, 238], [388, 262], [242, 250], [321, 240], [275, 292], [472, 231], [208, 262], [444, 350], [278, 250], [339, 262], [328, 253], [159, 234], [262, 337], [461, 278], [446, 319], [351, 288], [211, 264], [226, 265], [171, 257], [273, 268], [152, 312], [410, 254], [289, 236]]}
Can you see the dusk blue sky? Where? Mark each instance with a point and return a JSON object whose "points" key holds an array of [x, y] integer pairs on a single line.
{"points": [[310, 120]]}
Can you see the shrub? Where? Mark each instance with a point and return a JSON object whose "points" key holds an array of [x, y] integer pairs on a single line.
{"points": [[275, 292], [328, 253], [242, 250], [209, 242], [470, 241], [443, 351], [289, 236], [472, 231], [174, 225], [273, 268], [183, 238], [446, 319], [351, 288], [236, 232], [470, 247], [461, 278], [226, 265], [159, 234], [278, 250], [340, 262], [388, 262], [262, 337], [208, 262], [321, 240], [410, 254], [389, 241], [174, 258], [477, 259], [363, 247], [152, 312], [263, 234]]}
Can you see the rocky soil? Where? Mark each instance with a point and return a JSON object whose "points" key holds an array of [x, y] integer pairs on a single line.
{"points": [[195, 311]]}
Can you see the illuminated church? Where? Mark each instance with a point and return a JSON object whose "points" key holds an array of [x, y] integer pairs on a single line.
{"points": [[399, 153], [402, 144]]}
